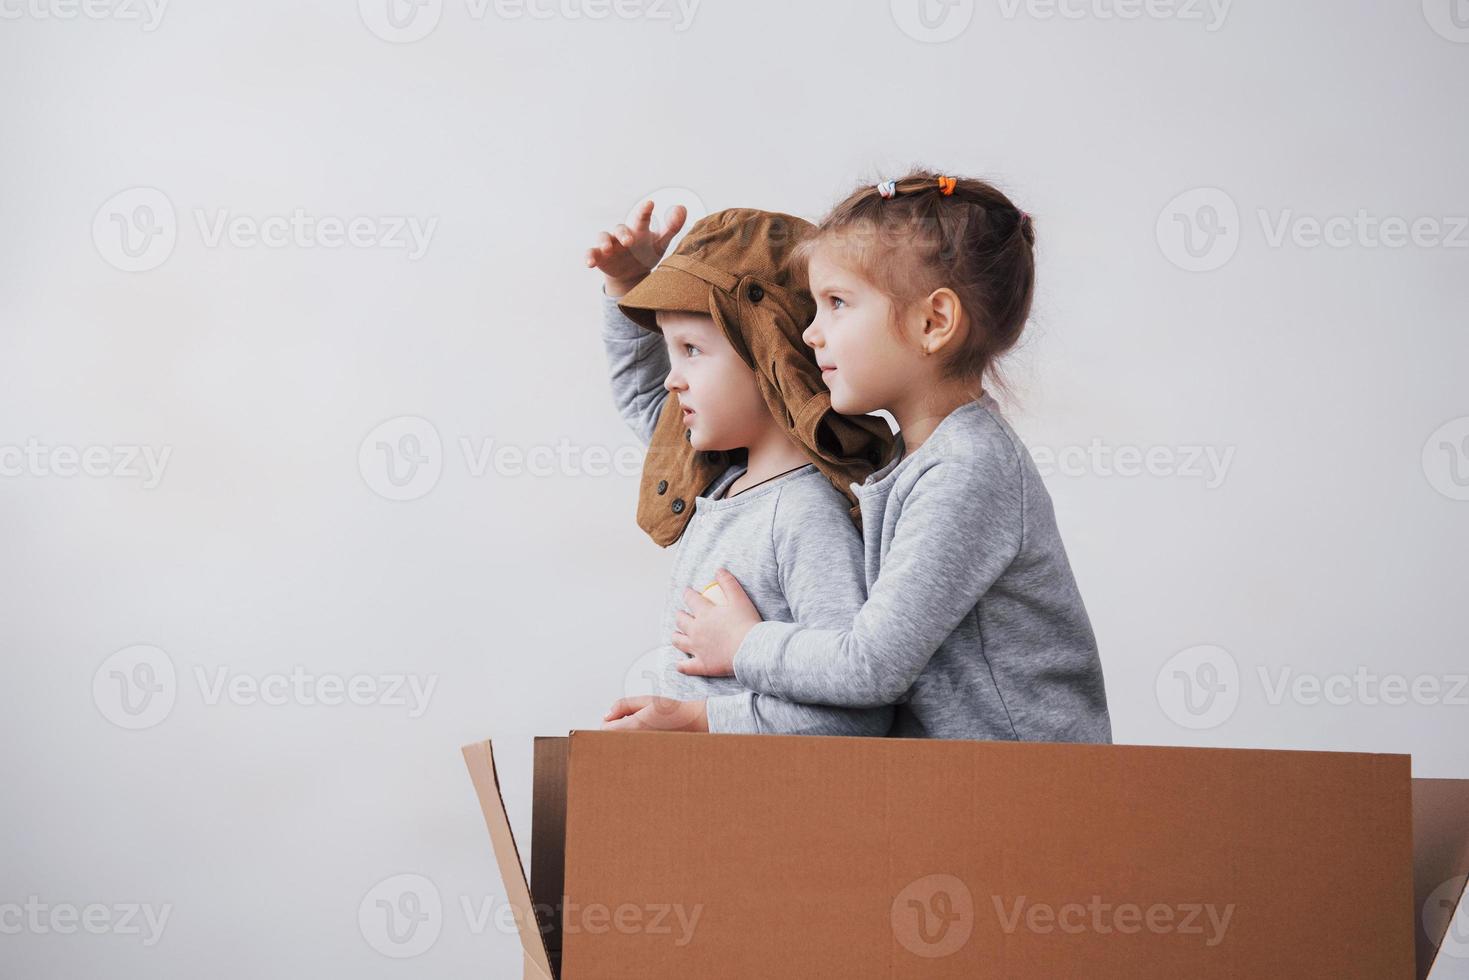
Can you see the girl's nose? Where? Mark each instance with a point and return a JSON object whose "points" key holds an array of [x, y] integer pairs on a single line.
{"points": [[811, 336], [674, 381]]}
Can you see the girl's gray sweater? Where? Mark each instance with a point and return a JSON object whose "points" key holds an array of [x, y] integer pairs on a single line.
{"points": [[973, 622]]}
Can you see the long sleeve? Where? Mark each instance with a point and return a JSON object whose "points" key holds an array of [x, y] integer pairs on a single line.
{"points": [[637, 364], [748, 713], [819, 560], [961, 526]]}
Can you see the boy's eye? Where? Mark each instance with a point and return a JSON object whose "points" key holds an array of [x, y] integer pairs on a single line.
{"points": [[837, 302], [691, 350]]}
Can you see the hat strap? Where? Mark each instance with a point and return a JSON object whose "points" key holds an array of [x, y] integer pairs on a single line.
{"points": [[711, 275]]}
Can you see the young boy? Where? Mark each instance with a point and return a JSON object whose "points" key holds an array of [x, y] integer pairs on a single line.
{"points": [[748, 468]]}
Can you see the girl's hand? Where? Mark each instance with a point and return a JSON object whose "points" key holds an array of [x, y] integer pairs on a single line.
{"points": [[649, 713], [626, 255], [711, 634]]}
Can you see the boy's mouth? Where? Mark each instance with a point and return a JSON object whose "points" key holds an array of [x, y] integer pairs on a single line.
{"points": [[688, 413]]}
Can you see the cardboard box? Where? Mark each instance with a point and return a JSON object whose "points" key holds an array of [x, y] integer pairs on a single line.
{"points": [[658, 855]]}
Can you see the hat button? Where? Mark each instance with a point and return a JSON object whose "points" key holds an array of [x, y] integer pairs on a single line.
{"points": [[757, 292], [678, 506], [662, 487]]}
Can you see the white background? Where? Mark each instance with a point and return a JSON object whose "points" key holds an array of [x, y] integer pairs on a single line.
{"points": [[1334, 540]]}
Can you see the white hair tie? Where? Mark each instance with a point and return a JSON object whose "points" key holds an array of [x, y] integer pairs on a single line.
{"points": [[887, 188]]}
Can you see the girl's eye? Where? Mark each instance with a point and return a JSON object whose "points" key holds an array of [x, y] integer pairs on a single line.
{"points": [[691, 350], [837, 302]]}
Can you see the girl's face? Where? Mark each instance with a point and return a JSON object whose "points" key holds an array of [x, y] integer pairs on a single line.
{"points": [[864, 358], [722, 404]]}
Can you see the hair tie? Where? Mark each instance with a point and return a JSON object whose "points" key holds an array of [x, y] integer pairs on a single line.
{"points": [[887, 188], [946, 186]]}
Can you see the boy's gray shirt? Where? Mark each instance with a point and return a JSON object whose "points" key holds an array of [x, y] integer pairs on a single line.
{"points": [[789, 542], [973, 620]]}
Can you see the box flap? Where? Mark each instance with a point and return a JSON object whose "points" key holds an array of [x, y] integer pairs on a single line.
{"points": [[548, 839], [480, 758], [1440, 862]]}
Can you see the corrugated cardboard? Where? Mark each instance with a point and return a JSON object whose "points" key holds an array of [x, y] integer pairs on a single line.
{"points": [[548, 839], [731, 856], [481, 761], [1440, 859]]}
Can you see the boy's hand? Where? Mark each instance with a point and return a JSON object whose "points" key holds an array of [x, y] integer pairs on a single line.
{"points": [[711, 634], [626, 255], [650, 713]]}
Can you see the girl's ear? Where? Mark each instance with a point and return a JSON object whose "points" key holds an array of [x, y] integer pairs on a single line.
{"points": [[944, 316]]}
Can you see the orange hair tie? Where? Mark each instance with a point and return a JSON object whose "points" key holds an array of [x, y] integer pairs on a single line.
{"points": [[946, 185]]}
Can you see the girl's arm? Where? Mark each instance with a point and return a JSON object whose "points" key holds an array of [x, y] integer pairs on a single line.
{"points": [[637, 362], [961, 526], [750, 713]]}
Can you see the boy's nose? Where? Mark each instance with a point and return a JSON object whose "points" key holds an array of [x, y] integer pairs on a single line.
{"points": [[674, 382]]}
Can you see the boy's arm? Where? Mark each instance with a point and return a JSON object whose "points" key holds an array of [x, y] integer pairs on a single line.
{"points": [[960, 528], [626, 255], [819, 560], [637, 363]]}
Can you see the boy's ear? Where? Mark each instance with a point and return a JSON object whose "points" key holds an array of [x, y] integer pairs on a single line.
{"points": [[943, 320]]}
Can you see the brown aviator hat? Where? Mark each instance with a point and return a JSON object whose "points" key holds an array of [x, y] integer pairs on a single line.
{"points": [[734, 265]]}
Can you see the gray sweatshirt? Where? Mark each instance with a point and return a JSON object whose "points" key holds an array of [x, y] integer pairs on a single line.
{"points": [[973, 620], [788, 541]]}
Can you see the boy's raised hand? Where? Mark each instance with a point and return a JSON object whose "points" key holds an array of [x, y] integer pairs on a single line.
{"points": [[626, 255]]}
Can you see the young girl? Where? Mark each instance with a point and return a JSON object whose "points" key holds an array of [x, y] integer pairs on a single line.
{"points": [[973, 623]]}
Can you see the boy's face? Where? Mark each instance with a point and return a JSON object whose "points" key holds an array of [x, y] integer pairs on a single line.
{"points": [[863, 361], [722, 404]]}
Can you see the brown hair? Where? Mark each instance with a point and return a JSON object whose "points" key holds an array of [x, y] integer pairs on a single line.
{"points": [[974, 241]]}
